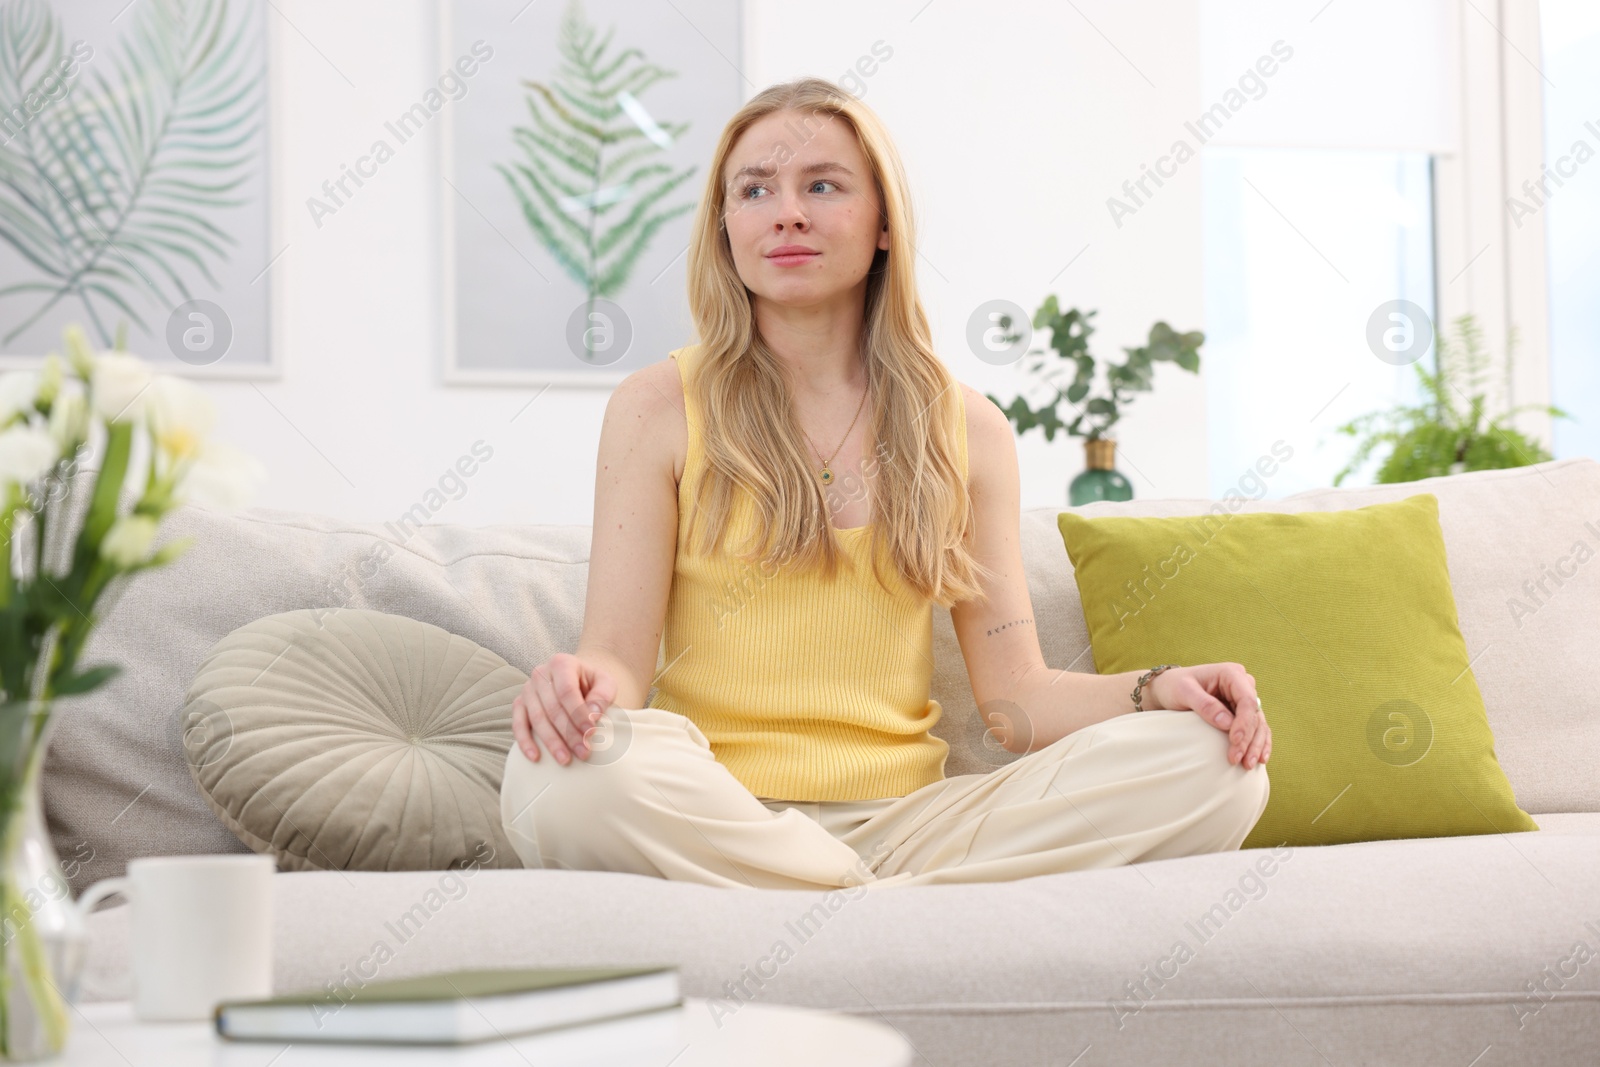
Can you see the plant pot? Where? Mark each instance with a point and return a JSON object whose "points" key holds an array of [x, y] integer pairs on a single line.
{"points": [[42, 935], [1100, 480]]}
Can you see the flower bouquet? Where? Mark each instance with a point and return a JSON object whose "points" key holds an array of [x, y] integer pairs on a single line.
{"points": [[70, 548]]}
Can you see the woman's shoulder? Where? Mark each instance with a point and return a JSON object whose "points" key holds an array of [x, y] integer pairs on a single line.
{"points": [[653, 389], [651, 399], [989, 437]]}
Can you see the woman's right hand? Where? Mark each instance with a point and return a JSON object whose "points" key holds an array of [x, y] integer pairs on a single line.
{"points": [[559, 705]]}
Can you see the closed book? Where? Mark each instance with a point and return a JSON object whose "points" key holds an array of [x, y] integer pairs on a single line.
{"points": [[453, 1007]]}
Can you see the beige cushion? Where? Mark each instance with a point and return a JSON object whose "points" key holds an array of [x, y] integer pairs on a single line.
{"points": [[354, 740]]}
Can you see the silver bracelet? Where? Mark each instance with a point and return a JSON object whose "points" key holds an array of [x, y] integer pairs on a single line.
{"points": [[1144, 680]]}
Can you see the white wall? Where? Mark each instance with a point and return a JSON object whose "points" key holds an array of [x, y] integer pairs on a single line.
{"points": [[1016, 120]]}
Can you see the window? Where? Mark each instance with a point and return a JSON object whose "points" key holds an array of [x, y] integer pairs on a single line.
{"points": [[1570, 210], [1304, 250]]}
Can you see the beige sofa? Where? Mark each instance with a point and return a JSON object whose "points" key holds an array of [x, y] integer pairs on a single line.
{"points": [[1439, 950]]}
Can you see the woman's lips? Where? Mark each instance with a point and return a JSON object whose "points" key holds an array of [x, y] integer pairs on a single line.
{"points": [[793, 260]]}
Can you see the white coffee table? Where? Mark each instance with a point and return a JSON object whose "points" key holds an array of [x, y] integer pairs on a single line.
{"points": [[105, 1034]]}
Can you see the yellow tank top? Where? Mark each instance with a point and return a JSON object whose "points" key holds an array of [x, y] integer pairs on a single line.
{"points": [[806, 688]]}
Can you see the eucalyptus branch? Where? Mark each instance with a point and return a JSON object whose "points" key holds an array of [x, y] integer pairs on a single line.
{"points": [[1069, 338]]}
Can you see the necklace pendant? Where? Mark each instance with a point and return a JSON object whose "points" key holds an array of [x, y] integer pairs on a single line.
{"points": [[827, 476]]}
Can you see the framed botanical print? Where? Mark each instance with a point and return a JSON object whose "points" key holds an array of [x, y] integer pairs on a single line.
{"points": [[575, 142], [134, 182]]}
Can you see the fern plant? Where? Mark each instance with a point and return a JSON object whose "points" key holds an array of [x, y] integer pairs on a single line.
{"points": [[1441, 435], [583, 162], [107, 192]]}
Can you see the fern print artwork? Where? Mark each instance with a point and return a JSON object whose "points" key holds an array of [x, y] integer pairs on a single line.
{"points": [[571, 176], [590, 179], [117, 179]]}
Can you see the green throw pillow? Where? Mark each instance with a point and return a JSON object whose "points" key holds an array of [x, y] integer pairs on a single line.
{"points": [[1347, 622]]}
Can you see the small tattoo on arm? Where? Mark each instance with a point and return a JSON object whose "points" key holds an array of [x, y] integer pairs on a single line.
{"points": [[1006, 626]]}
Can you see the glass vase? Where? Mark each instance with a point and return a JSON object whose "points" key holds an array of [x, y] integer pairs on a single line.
{"points": [[42, 934], [1100, 480]]}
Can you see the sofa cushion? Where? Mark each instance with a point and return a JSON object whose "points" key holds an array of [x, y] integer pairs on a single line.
{"points": [[349, 739], [1423, 951], [116, 783], [1509, 536], [116, 780], [1346, 622]]}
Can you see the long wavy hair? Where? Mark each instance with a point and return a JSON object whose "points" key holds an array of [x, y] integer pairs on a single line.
{"points": [[752, 441]]}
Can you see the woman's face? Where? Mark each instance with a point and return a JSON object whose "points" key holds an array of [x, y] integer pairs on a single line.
{"points": [[801, 179]]}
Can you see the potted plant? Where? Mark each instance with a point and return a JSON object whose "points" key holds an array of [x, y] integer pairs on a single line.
{"points": [[1069, 337], [68, 542], [1446, 434]]}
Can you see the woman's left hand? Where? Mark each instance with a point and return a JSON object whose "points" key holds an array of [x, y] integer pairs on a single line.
{"points": [[1224, 695]]}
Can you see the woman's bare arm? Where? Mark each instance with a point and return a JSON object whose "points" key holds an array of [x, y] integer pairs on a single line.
{"points": [[635, 531]]}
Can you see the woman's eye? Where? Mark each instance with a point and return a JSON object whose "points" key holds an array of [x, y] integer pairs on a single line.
{"points": [[748, 192]]}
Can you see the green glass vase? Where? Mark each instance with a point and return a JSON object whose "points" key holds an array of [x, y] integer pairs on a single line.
{"points": [[1100, 479]]}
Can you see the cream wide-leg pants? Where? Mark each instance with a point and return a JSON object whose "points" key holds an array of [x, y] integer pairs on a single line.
{"points": [[652, 799]]}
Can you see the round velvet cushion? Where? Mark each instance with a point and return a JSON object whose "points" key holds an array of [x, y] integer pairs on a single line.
{"points": [[348, 739]]}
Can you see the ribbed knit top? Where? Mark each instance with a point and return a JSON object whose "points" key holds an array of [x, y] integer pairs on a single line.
{"points": [[806, 688]]}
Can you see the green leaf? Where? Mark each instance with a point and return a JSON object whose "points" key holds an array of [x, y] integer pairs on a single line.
{"points": [[84, 681], [1045, 316], [107, 490], [616, 275], [635, 218], [569, 256]]}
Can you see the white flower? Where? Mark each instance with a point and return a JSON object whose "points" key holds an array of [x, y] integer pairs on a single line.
{"points": [[179, 414], [69, 420], [79, 352], [220, 476], [50, 379], [26, 453], [128, 540], [18, 390], [117, 383]]}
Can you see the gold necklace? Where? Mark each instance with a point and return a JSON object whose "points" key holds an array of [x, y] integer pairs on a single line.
{"points": [[826, 474]]}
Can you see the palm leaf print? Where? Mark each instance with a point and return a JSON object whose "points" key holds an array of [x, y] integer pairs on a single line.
{"points": [[591, 153], [108, 191]]}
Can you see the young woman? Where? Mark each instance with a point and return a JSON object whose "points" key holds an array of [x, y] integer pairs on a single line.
{"points": [[786, 624]]}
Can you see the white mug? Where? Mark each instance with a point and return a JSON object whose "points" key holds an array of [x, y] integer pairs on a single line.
{"points": [[202, 931]]}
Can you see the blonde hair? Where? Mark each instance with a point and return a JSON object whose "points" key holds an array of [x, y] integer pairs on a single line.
{"points": [[751, 438]]}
